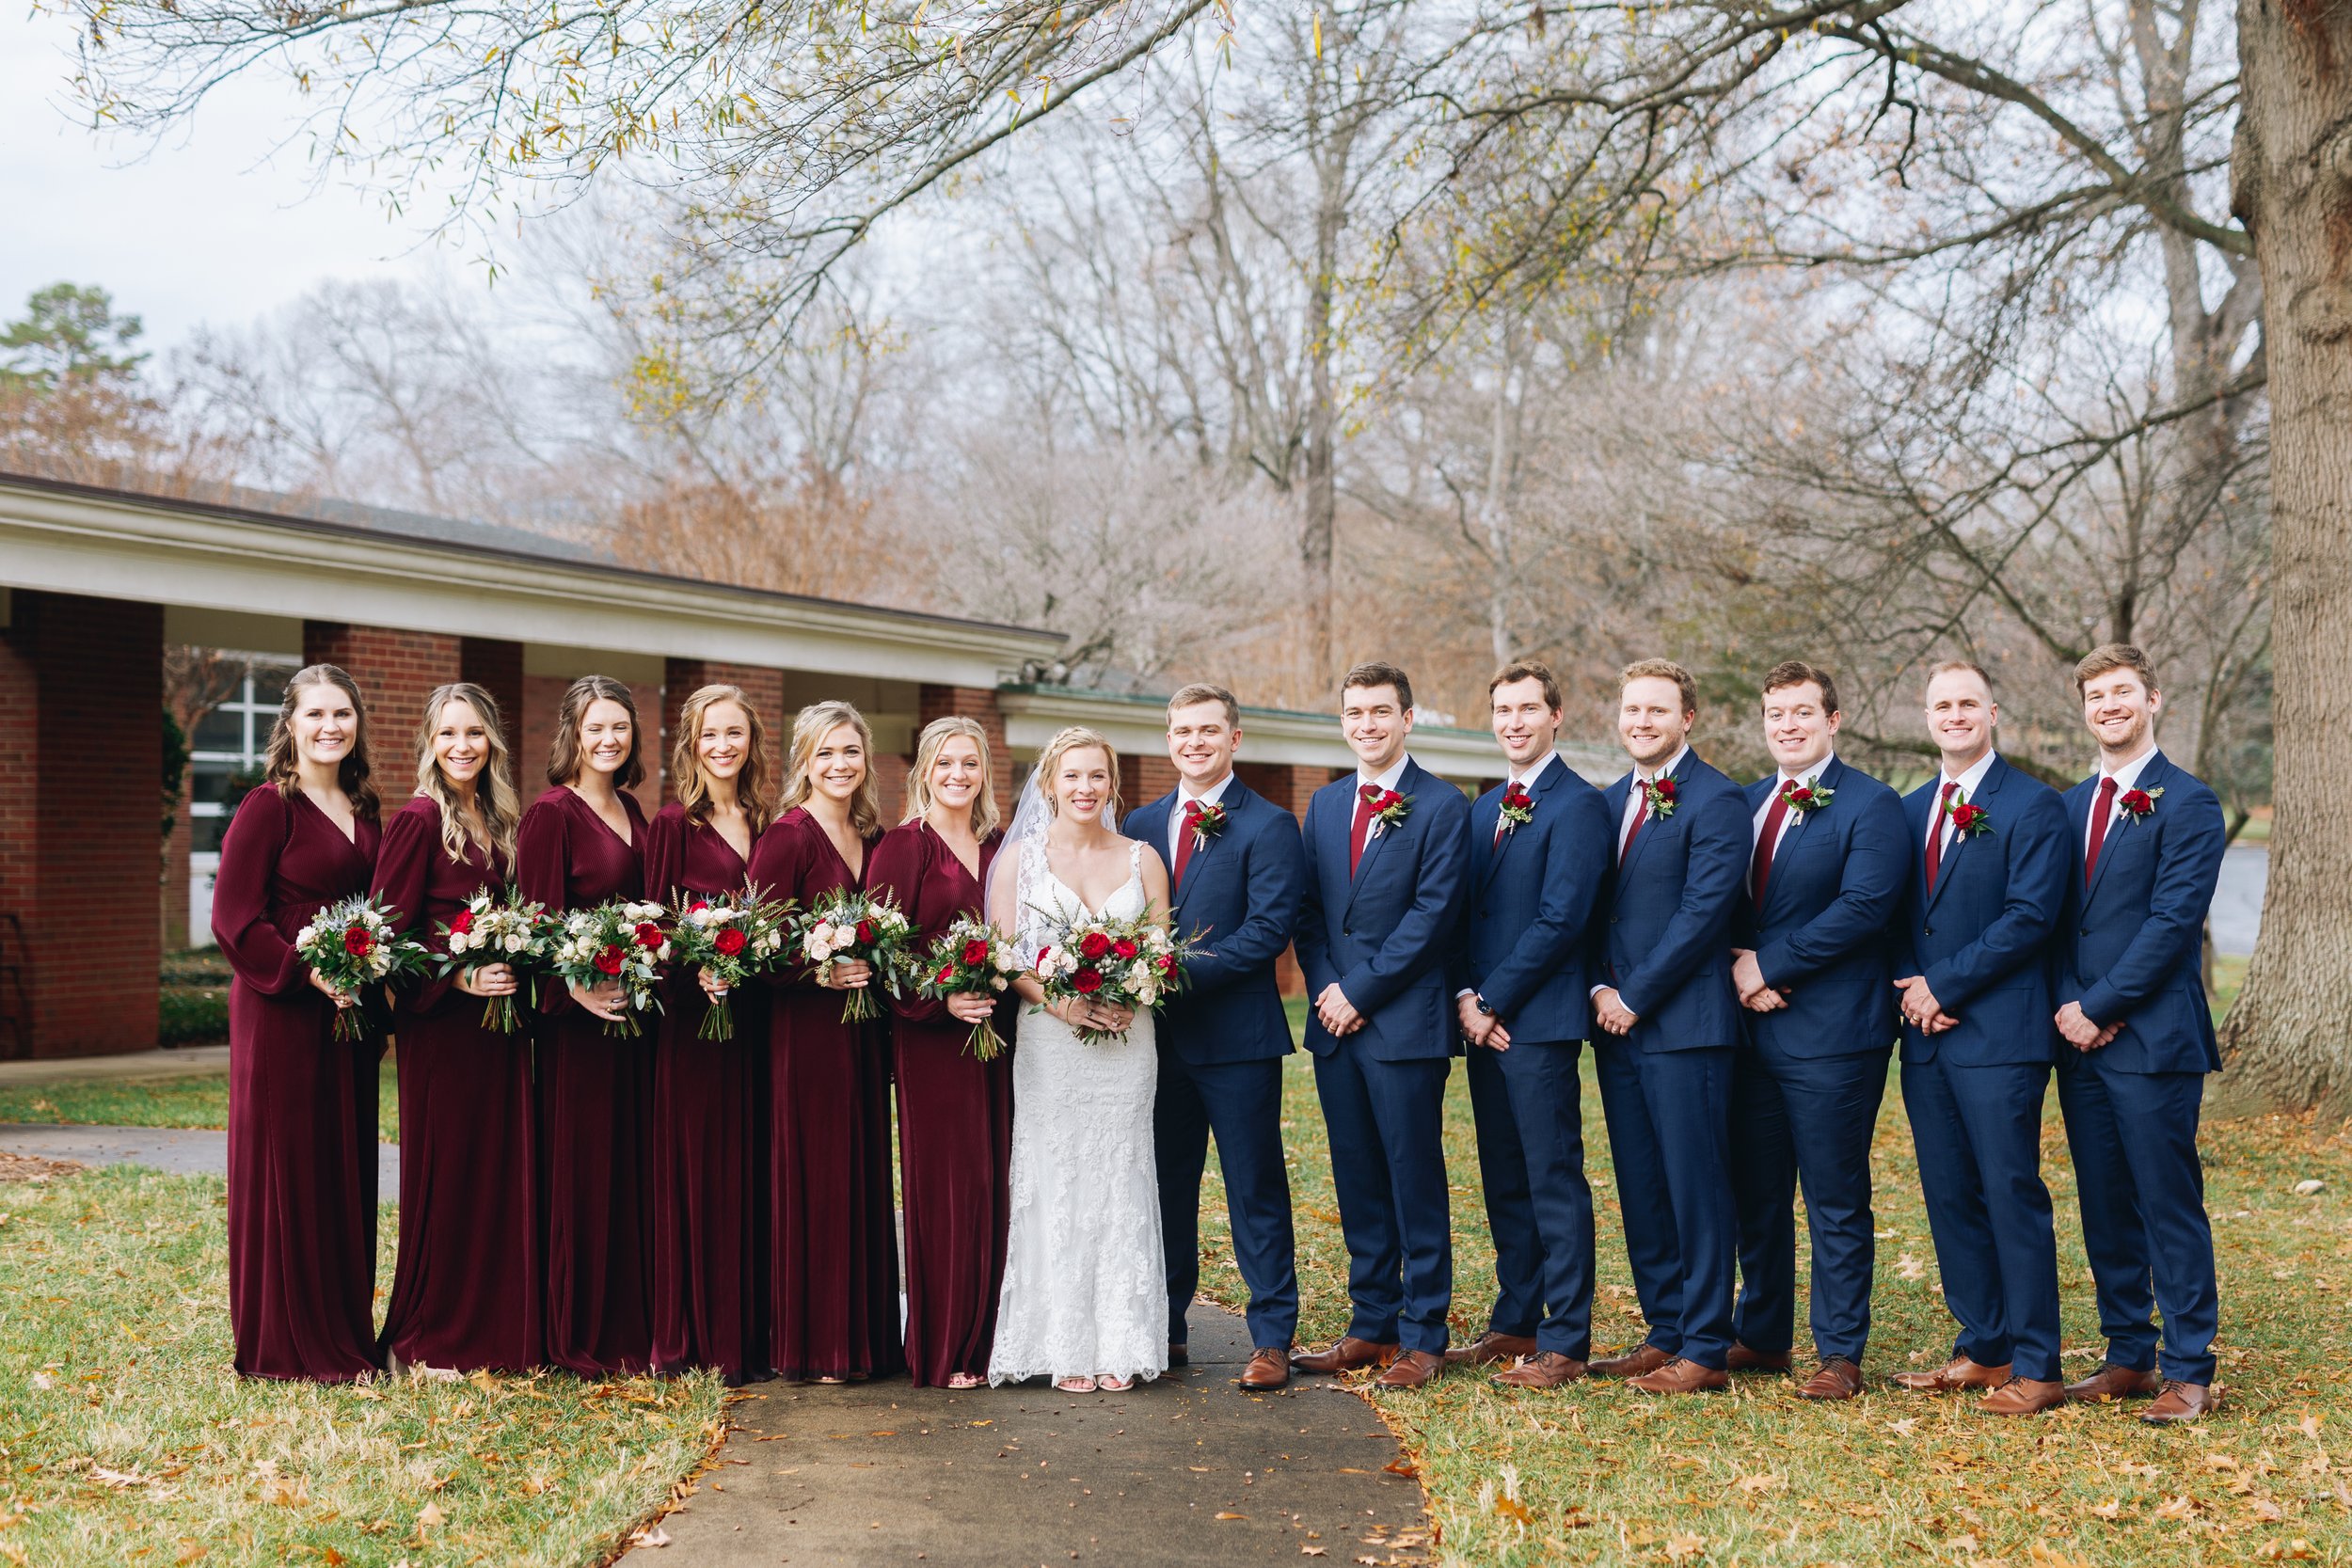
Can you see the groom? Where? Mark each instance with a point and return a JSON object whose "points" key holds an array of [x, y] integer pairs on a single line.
{"points": [[1384, 851], [1236, 873]]}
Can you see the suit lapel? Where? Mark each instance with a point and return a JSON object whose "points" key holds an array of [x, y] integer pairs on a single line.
{"points": [[1650, 824], [1407, 784], [2119, 831], [1232, 802], [1990, 786]]}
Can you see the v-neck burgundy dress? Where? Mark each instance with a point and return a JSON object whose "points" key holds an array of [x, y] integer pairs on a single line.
{"points": [[595, 1108], [466, 1285], [834, 1267], [301, 1105], [709, 1125], [955, 1125]]}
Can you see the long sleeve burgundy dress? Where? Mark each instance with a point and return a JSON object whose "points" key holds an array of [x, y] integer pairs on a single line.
{"points": [[955, 1125], [595, 1108], [466, 1282], [833, 1262], [301, 1104], [709, 1125]]}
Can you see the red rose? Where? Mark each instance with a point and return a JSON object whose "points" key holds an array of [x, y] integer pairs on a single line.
{"points": [[1125, 948], [1390, 799], [947, 972], [730, 940], [1664, 787], [608, 961], [648, 934], [976, 952], [1515, 796], [1964, 816], [357, 942], [463, 923], [1167, 963], [1087, 982], [1801, 796], [866, 933], [2137, 803], [1093, 945], [698, 904]]}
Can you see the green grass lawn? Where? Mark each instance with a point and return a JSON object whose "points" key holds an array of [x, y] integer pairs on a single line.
{"points": [[201, 1102], [1596, 1474]]}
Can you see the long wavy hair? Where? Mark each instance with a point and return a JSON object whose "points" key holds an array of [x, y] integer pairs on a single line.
{"points": [[1077, 737], [986, 817], [282, 767], [809, 728], [494, 786], [564, 758], [691, 780]]}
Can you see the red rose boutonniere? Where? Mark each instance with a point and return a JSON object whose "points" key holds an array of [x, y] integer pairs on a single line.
{"points": [[1804, 798], [1659, 796], [1968, 821], [1388, 810], [1519, 806], [2138, 805], [1206, 822]]}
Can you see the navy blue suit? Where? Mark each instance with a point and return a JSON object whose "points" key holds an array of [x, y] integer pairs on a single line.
{"points": [[1523, 945], [2129, 952], [1665, 1087], [1974, 1093], [1806, 1099], [1221, 1046], [1382, 936]]}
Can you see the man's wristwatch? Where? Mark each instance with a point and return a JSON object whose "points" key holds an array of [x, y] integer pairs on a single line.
{"points": [[1484, 1005]]}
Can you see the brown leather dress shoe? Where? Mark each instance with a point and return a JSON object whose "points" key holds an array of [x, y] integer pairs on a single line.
{"points": [[1269, 1367], [1345, 1355], [1411, 1370], [1543, 1369], [1489, 1348], [1641, 1360], [1958, 1373], [1838, 1379], [1679, 1376], [1741, 1359], [2024, 1396], [2111, 1382], [2182, 1402], [1177, 1354]]}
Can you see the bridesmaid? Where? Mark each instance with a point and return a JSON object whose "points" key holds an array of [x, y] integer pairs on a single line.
{"points": [[465, 1288], [301, 1105], [580, 845], [709, 1097], [955, 1112], [833, 1269]]}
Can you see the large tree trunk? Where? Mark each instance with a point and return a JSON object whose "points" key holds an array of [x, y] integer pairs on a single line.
{"points": [[2289, 1039]]}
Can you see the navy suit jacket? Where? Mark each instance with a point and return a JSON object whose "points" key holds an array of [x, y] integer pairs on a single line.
{"points": [[1667, 945], [1835, 890], [1982, 938], [1384, 934], [1524, 942], [2132, 945], [1240, 898]]}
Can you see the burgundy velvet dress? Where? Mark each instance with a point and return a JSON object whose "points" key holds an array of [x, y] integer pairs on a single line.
{"points": [[833, 1259], [596, 1109], [301, 1106], [710, 1144], [955, 1125], [466, 1285]]}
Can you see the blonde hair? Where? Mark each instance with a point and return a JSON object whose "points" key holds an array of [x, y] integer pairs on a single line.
{"points": [[282, 767], [986, 819], [494, 788], [565, 759], [809, 728], [1077, 737], [691, 780]]}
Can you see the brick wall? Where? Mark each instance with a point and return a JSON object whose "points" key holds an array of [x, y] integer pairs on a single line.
{"points": [[764, 687], [497, 667]]}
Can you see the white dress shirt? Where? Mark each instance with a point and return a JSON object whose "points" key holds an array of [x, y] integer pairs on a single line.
{"points": [[1634, 803], [1387, 780], [1789, 818], [1207, 798], [1940, 820], [1525, 780], [2126, 778]]}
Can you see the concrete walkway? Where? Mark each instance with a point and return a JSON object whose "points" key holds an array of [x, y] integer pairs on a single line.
{"points": [[187, 1061], [1177, 1473], [178, 1150]]}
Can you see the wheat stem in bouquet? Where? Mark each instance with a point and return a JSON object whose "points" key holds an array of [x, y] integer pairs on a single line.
{"points": [[857, 927], [1133, 963], [619, 944], [499, 928], [971, 959], [351, 944], [733, 939]]}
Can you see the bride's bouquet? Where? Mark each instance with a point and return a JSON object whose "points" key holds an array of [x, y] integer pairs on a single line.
{"points": [[971, 959], [621, 942], [1134, 963], [734, 939], [499, 928], [351, 944], [857, 927]]}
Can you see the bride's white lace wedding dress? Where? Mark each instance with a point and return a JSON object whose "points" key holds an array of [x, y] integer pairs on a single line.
{"points": [[1085, 1284]]}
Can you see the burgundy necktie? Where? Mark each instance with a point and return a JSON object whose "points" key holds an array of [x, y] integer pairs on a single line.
{"points": [[1935, 829], [1364, 797], [1761, 866], [2099, 814], [1186, 836], [1634, 832]]}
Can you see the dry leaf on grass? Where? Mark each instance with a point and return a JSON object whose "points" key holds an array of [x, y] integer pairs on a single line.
{"points": [[1681, 1547]]}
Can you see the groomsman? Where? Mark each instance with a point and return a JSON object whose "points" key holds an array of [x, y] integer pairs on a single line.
{"points": [[1539, 857], [1988, 881], [1669, 1030], [1826, 880], [1237, 871], [1384, 851], [2148, 839]]}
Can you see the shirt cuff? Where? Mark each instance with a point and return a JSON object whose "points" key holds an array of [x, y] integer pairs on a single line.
{"points": [[1596, 991]]}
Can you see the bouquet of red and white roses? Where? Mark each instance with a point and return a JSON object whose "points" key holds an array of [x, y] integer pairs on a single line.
{"points": [[499, 928], [621, 942], [1131, 963], [857, 927], [351, 944], [738, 936], [972, 959]]}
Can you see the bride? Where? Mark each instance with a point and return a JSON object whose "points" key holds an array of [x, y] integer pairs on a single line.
{"points": [[1085, 1296]]}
